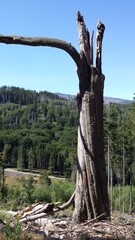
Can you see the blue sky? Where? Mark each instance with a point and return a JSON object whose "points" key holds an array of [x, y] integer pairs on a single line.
{"points": [[50, 69]]}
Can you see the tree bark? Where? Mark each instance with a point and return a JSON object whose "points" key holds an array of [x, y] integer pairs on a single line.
{"points": [[91, 197]]}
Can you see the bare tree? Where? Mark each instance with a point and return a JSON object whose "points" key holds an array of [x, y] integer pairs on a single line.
{"points": [[91, 197]]}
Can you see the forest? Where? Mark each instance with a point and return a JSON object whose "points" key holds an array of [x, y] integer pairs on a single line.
{"points": [[38, 131]]}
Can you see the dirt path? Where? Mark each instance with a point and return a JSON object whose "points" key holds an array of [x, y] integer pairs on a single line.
{"points": [[14, 173], [9, 172]]}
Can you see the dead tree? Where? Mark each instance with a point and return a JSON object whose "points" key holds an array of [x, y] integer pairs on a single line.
{"points": [[91, 197]]}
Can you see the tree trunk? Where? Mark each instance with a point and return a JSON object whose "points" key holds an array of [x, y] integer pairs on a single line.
{"points": [[91, 197], [123, 179]]}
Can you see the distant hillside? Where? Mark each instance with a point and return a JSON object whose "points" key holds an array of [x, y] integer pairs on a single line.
{"points": [[107, 100], [66, 96], [22, 96]]}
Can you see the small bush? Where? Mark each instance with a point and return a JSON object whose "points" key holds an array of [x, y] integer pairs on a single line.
{"points": [[42, 194], [61, 191]]}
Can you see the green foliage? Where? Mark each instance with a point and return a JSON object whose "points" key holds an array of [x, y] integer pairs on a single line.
{"points": [[42, 194], [13, 233], [13, 229], [28, 186], [40, 129], [121, 200], [42, 190], [26, 191], [61, 191], [118, 128]]}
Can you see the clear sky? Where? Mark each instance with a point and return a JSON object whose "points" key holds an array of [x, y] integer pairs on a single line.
{"points": [[50, 69]]}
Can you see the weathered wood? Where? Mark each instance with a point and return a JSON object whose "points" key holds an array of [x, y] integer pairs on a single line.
{"points": [[99, 38], [65, 205], [91, 198], [83, 37], [91, 48], [47, 208], [32, 217]]}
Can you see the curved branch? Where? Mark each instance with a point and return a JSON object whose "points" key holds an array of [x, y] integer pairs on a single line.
{"points": [[67, 204], [43, 41]]}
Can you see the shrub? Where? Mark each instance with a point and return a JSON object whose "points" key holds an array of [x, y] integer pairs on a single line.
{"points": [[61, 191], [42, 193]]}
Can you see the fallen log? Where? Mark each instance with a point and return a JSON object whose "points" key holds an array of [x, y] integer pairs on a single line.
{"points": [[32, 217], [37, 212]]}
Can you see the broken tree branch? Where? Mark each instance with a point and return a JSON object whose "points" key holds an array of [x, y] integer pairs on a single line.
{"points": [[43, 41], [99, 38], [67, 204], [84, 39], [91, 48]]}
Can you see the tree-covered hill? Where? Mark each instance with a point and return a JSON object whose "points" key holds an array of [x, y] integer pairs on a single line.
{"points": [[39, 131], [24, 97]]}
